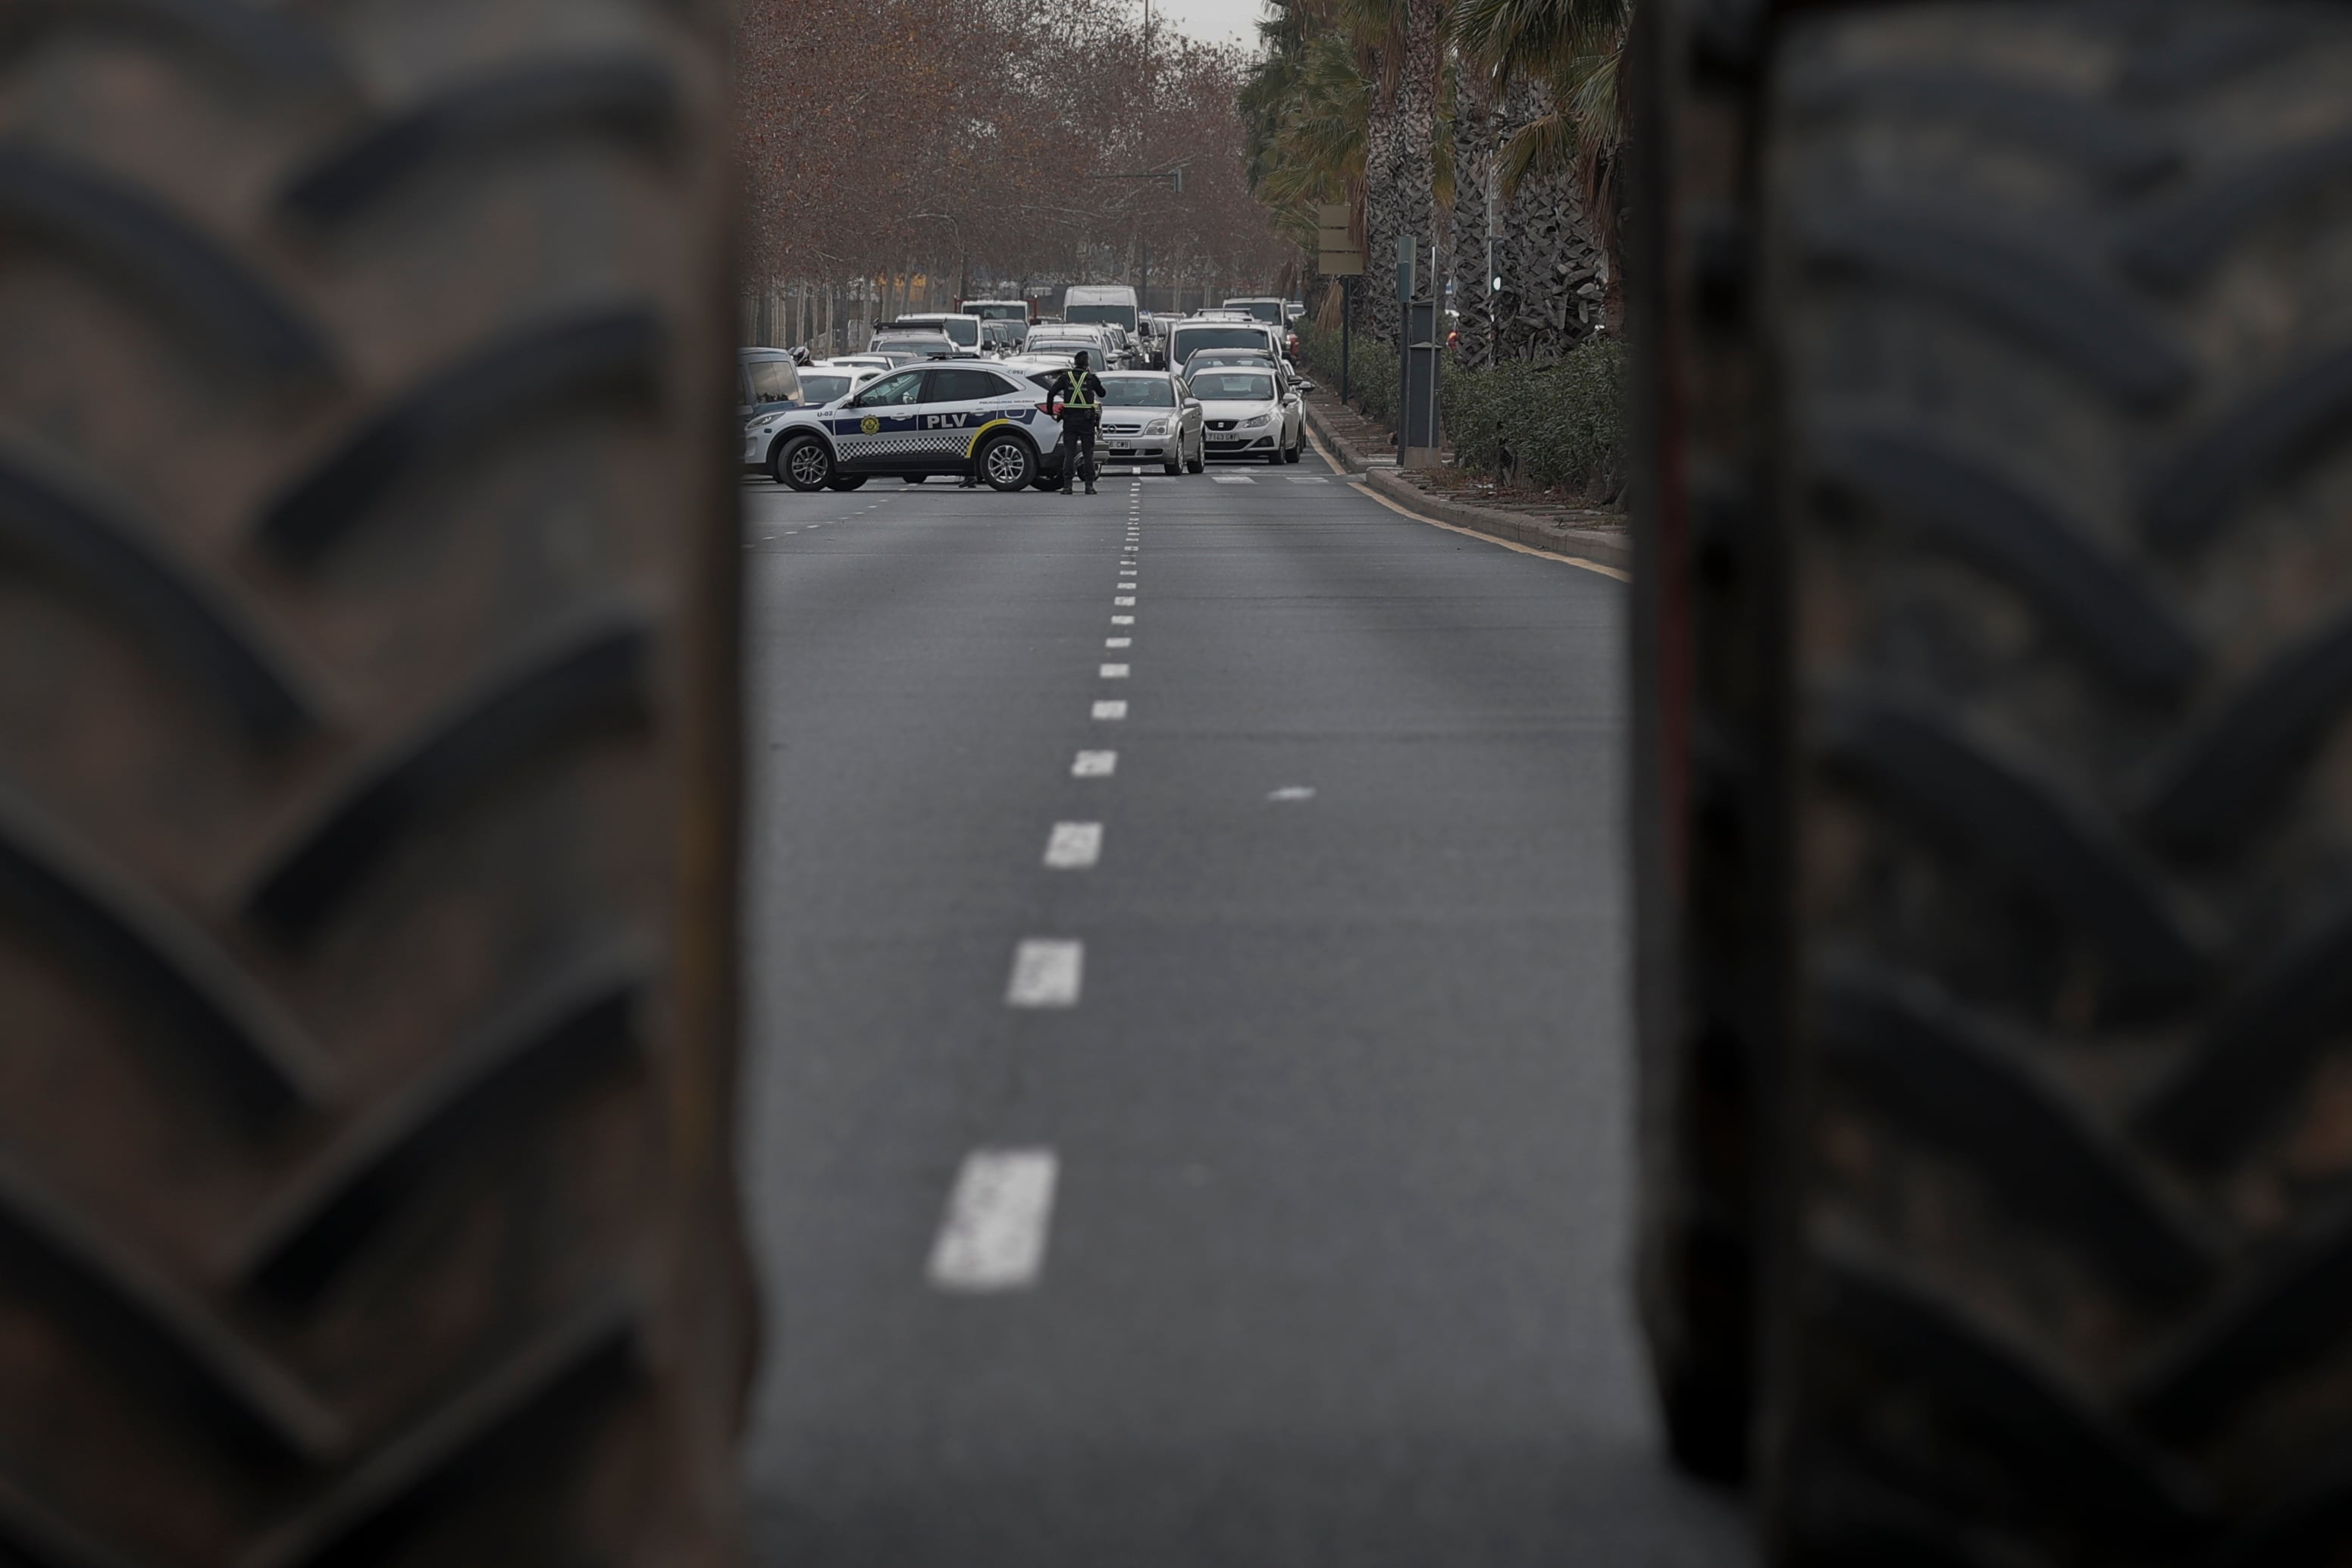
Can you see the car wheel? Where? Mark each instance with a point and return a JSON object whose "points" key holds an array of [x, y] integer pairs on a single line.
{"points": [[368, 1191], [912, 478], [1275, 457], [1175, 465], [1200, 459], [845, 481], [802, 462], [1007, 464], [1296, 449]]}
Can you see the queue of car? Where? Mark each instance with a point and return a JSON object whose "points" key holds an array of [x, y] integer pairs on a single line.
{"points": [[959, 393]]}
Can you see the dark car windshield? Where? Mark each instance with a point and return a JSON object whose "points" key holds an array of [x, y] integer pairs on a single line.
{"points": [[909, 342], [1122, 314], [966, 333], [1234, 386], [1191, 340], [1139, 393], [999, 312], [1267, 310]]}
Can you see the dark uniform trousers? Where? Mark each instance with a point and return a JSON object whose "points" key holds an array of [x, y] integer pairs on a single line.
{"points": [[1078, 426]]}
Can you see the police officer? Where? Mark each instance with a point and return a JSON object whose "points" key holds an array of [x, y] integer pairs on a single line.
{"points": [[1079, 392]]}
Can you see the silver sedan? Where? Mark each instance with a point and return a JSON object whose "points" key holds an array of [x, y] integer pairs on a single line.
{"points": [[1149, 416]]}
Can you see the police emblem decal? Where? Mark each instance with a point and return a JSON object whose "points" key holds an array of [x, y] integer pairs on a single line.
{"points": [[869, 425]]}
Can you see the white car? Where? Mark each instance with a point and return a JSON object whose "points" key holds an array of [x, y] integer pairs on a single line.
{"points": [[1190, 336], [962, 330], [829, 380], [1148, 415], [1245, 413], [927, 419], [1069, 340]]}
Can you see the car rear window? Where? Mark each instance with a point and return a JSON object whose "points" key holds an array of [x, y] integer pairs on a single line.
{"points": [[1233, 386], [1139, 393], [772, 380], [1191, 340], [966, 334]]}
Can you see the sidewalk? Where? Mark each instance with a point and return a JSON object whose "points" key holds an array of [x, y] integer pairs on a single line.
{"points": [[1364, 446]]}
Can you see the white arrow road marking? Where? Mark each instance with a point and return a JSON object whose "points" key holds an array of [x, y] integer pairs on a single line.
{"points": [[993, 1237], [1111, 709], [1046, 973], [1095, 765], [1122, 620], [1118, 641], [1113, 672], [1074, 846], [1124, 604]]}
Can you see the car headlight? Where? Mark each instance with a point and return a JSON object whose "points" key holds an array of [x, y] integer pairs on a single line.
{"points": [[1157, 427], [1255, 420]]}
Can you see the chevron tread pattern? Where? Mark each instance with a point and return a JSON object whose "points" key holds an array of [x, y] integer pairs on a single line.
{"points": [[342, 876], [2076, 671]]}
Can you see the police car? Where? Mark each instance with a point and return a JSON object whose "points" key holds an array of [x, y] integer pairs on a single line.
{"points": [[925, 418]]}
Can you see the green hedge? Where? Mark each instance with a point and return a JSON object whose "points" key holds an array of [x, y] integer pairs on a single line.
{"points": [[1563, 424], [1371, 369]]}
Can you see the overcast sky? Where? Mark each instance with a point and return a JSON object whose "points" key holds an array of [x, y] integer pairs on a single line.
{"points": [[1210, 21]]}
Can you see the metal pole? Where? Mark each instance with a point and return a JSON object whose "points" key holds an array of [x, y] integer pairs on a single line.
{"points": [[1347, 324]]}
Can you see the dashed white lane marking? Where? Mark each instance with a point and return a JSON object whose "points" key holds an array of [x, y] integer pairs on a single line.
{"points": [[1293, 792], [1122, 620], [1235, 479], [1074, 846], [1047, 972], [993, 1237], [1123, 603], [1115, 708], [1095, 765], [1118, 641], [1113, 672], [1310, 480]]}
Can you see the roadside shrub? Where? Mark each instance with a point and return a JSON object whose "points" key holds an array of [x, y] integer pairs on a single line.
{"points": [[1551, 426], [1371, 369]]}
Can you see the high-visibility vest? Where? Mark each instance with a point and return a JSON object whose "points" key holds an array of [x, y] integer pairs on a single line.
{"points": [[1079, 398]]}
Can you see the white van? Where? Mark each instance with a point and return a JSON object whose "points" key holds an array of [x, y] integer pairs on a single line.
{"points": [[1100, 302], [1188, 336]]}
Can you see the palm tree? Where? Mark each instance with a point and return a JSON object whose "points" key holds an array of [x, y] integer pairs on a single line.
{"points": [[1473, 145], [1555, 67]]}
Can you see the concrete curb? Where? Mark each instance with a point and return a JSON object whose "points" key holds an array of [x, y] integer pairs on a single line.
{"points": [[1605, 549]]}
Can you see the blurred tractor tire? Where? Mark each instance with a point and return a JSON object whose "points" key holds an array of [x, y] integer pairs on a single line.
{"points": [[368, 785], [2005, 401]]}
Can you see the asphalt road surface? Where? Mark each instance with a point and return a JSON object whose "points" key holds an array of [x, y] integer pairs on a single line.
{"points": [[1194, 1133]]}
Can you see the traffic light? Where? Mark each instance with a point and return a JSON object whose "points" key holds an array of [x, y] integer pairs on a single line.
{"points": [[1494, 265]]}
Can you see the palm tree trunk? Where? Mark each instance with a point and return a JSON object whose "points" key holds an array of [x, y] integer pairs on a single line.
{"points": [[1417, 139], [1473, 173], [1552, 265], [1375, 294]]}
